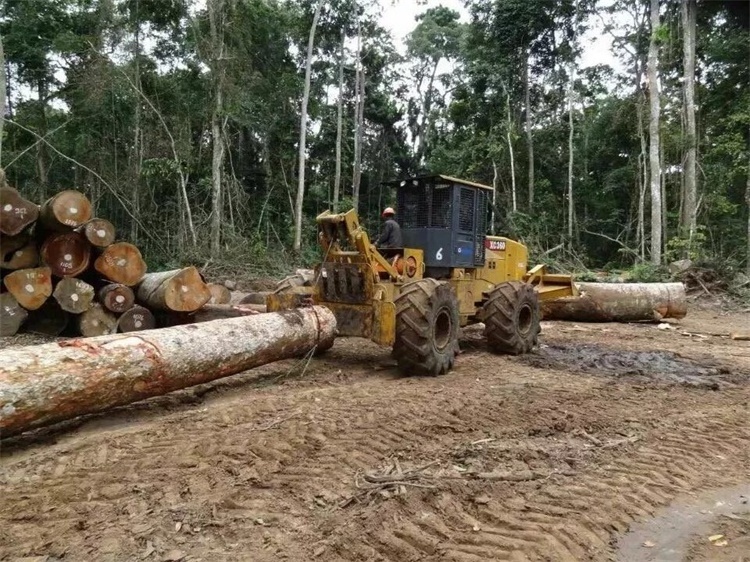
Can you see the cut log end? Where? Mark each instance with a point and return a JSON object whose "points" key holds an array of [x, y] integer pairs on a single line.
{"points": [[66, 210], [66, 254], [12, 315], [97, 321], [16, 212], [74, 295], [136, 319], [30, 287], [181, 290], [122, 263], [219, 294], [99, 232], [116, 297]]}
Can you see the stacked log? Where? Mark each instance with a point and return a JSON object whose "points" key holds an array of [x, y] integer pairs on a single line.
{"points": [[64, 272]]}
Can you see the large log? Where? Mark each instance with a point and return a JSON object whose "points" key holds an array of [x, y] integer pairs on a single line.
{"points": [[179, 290], [18, 252], [67, 254], [99, 232], [16, 212], [116, 297], [73, 295], [219, 294], [65, 211], [136, 319], [44, 384], [122, 263], [30, 287], [12, 315], [619, 302], [97, 321]]}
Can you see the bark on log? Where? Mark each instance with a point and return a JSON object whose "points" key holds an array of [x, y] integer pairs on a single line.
{"points": [[44, 384], [619, 302], [99, 232], [48, 320], [30, 287], [16, 212], [65, 211], [219, 294], [116, 297], [122, 263], [66, 254], [210, 312], [74, 295], [97, 321], [12, 315], [136, 319], [179, 290]]}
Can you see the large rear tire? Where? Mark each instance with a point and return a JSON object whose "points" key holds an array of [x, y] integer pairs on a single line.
{"points": [[427, 325], [511, 318]]}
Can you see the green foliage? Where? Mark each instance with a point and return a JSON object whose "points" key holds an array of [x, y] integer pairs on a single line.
{"points": [[646, 273]]}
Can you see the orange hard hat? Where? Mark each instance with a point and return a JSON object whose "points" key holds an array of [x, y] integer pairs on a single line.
{"points": [[388, 211]]}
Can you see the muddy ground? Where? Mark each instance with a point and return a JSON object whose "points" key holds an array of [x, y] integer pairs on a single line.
{"points": [[547, 457]]}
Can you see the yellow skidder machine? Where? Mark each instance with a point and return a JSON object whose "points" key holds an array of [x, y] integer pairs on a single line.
{"points": [[448, 274]]}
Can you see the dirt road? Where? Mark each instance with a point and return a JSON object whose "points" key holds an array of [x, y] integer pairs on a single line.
{"points": [[548, 457]]}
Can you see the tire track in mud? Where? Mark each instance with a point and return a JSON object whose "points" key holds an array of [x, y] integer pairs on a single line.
{"points": [[289, 455]]}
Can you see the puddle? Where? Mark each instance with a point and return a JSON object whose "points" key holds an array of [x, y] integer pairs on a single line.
{"points": [[664, 366]]}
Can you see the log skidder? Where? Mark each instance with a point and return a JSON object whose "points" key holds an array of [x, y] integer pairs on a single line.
{"points": [[427, 323], [511, 318]]}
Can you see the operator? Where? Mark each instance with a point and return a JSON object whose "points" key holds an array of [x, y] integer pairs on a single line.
{"points": [[391, 235]]}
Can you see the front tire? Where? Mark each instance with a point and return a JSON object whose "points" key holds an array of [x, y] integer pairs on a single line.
{"points": [[427, 324], [511, 318]]}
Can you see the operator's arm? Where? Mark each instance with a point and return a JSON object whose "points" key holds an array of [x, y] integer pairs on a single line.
{"points": [[385, 236]]}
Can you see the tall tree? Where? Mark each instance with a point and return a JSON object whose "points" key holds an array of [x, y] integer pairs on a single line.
{"points": [[339, 125], [217, 23], [689, 9], [653, 127]]}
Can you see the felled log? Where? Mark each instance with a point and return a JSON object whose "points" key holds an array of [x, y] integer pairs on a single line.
{"points": [[255, 298], [122, 263], [65, 211], [619, 302], [12, 315], [30, 287], [18, 252], [136, 319], [48, 320], [16, 212], [96, 321], [219, 294], [67, 254], [74, 295], [179, 290], [99, 232], [43, 384], [116, 297]]}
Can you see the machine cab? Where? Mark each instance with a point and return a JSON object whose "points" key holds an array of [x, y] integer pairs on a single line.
{"points": [[446, 218]]}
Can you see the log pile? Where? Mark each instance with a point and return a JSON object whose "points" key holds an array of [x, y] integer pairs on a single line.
{"points": [[63, 272]]}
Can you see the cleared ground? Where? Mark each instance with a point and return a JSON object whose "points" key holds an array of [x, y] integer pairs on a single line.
{"points": [[546, 457]]}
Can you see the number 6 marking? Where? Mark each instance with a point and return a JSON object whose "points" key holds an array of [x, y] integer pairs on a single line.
{"points": [[439, 255]]}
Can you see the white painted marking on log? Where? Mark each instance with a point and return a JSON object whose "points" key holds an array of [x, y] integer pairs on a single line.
{"points": [[119, 299], [73, 211], [74, 297], [8, 410], [19, 253], [184, 289], [68, 257], [122, 262], [29, 288], [95, 322], [101, 233], [138, 323], [8, 208]]}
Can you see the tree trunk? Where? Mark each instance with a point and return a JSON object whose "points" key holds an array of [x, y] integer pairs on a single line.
{"points": [[80, 377], [529, 136], [73, 295], [99, 232], [655, 163], [495, 182], [16, 212], [18, 252], [689, 10], [219, 294], [12, 315], [215, 16], [424, 129], [3, 87], [116, 298], [48, 320], [122, 263], [42, 157], [339, 127], [570, 156], [619, 302], [136, 319], [747, 200], [137, 153], [303, 133], [67, 254], [30, 287], [179, 290], [65, 211], [97, 321], [511, 156]]}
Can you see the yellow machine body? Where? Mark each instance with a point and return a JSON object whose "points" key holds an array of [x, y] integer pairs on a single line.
{"points": [[360, 283]]}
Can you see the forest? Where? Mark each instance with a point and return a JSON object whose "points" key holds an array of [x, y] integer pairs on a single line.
{"points": [[213, 132]]}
